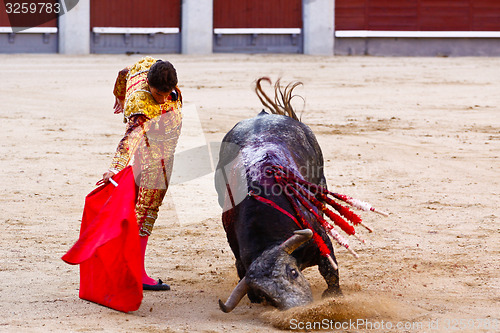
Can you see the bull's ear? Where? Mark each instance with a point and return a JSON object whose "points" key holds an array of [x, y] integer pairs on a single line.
{"points": [[300, 237]]}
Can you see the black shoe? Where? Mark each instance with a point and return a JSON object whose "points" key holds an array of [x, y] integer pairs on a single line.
{"points": [[158, 286]]}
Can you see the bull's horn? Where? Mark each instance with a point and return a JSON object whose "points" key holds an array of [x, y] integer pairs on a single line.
{"points": [[300, 237], [238, 293]]}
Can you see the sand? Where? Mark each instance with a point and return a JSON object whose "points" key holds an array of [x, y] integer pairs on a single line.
{"points": [[418, 137]]}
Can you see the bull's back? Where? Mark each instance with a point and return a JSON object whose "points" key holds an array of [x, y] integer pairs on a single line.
{"points": [[291, 136]]}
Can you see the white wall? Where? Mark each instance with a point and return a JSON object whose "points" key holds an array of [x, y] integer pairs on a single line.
{"points": [[197, 26], [318, 31], [74, 30]]}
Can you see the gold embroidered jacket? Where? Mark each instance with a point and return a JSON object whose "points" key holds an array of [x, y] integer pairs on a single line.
{"points": [[142, 113]]}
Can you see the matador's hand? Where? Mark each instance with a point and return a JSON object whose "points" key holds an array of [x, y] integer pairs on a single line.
{"points": [[119, 103], [106, 176]]}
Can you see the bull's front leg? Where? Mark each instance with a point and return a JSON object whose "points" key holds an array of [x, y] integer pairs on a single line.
{"points": [[331, 276]]}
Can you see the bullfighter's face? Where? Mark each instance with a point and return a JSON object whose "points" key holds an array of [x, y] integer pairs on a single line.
{"points": [[159, 96]]}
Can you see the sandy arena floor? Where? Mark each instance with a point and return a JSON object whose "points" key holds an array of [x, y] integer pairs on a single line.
{"points": [[418, 137]]}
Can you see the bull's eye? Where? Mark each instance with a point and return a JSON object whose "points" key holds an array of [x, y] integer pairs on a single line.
{"points": [[293, 273]]}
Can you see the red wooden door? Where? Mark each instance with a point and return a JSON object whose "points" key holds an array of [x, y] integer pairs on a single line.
{"points": [[5, 22], [135, 13], [257, 14], [4, 19], [439, 15], [418, 15], [485, 15]]}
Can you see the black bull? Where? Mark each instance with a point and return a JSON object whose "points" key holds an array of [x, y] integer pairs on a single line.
{"points": [[269, 248]]}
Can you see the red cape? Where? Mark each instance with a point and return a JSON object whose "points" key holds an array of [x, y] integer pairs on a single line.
{"points": [[108, 249]]}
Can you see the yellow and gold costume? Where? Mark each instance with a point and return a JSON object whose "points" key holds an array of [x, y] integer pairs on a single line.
{"points": [[150, 139]]}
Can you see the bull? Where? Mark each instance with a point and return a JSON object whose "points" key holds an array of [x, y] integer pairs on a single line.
{"points": [[271, 249]]}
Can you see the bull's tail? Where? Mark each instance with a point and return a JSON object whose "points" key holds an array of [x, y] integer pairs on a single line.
{"points": [[282, 97]]}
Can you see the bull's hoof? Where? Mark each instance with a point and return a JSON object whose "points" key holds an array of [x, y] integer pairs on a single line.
{"points": [[332, 292]]}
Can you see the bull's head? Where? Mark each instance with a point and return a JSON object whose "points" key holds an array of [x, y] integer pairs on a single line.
{"points": [[276, 276]]}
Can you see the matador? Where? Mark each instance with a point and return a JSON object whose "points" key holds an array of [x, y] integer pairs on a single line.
{"points": [[151, 102]]}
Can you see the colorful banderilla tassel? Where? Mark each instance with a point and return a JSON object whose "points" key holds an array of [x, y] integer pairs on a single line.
{"points": [[309, 195], [328, 228], [323, 192]]}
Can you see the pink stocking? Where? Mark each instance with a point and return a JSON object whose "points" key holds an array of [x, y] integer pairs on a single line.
{"points": [[145, 278]]}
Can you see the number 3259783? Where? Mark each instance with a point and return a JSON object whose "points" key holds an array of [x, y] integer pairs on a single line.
{"points": [[32, 8]]}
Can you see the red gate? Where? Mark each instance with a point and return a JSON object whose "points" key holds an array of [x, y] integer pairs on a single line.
{"points": [[133, 13], [132, 26], [257, 14], [418, 15], [258, 26]]}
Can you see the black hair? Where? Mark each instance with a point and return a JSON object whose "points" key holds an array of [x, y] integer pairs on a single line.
{"points": [[162, 76]]}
